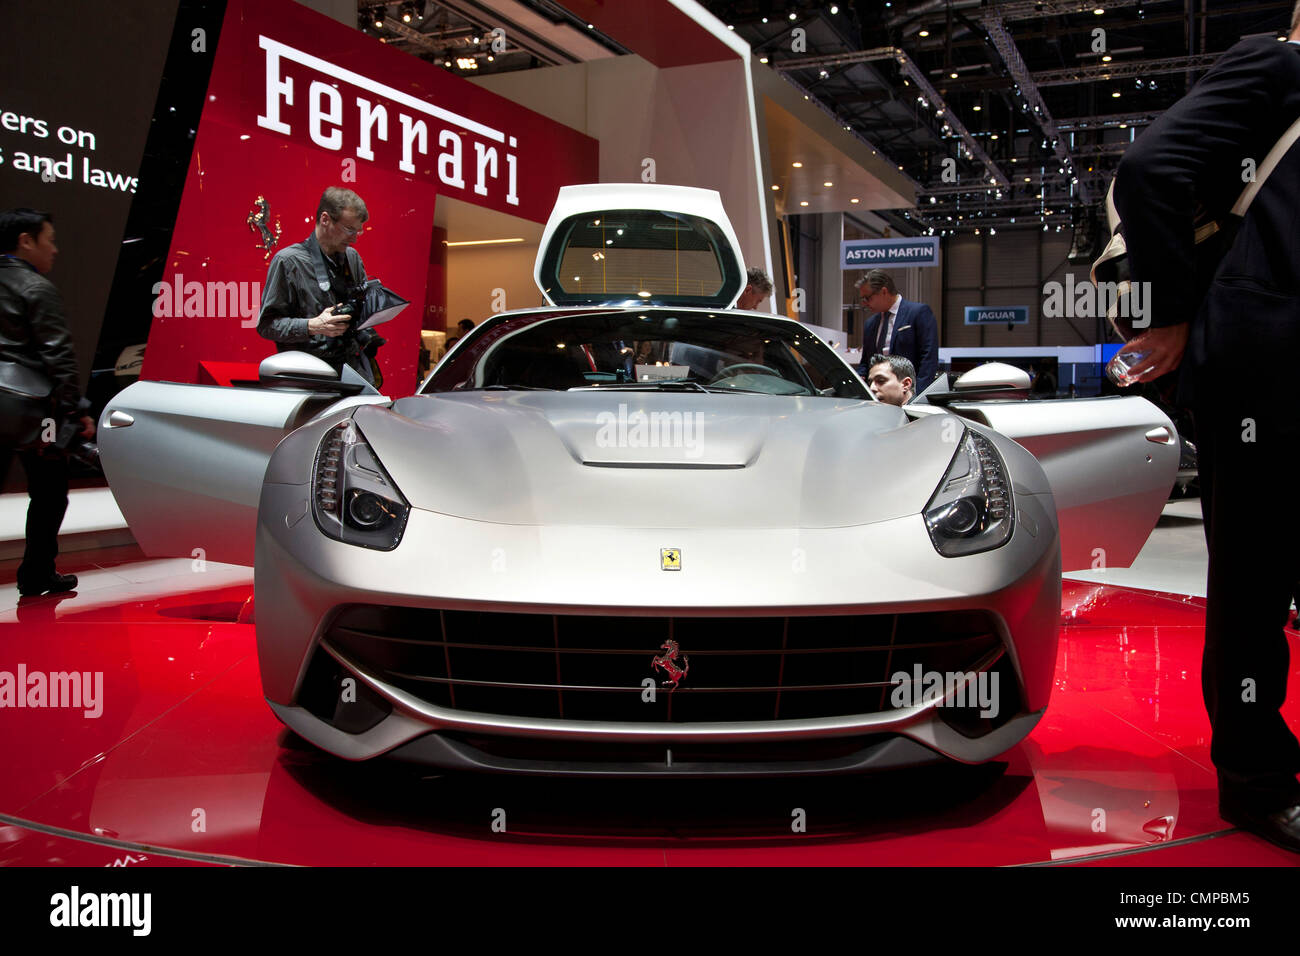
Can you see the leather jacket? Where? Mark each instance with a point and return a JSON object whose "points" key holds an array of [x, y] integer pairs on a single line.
{"points": [[292, 297], [34, 334]]}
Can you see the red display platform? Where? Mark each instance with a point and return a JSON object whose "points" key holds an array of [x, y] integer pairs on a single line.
{"points": [[187, 765]]}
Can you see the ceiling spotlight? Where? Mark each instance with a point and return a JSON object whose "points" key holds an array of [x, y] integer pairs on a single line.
{"points": [[1123, 125], [762, 59], [775, 188], [992, 231], [379, 24], [834, 9], [1106, 58], [1099, 11], [793, 17], [994, 136], [1151, 84], [803, 202], [952, 76], [852, 200], [406, 17], [797, 165], [923, 33], [976, 107], [977, 230], [1115, 95], [932, 200]]}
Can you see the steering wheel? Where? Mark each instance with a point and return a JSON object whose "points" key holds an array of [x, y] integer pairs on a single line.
{"points": [[742, 368]]}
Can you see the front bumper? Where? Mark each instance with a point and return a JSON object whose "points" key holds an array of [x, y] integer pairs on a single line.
{"points": [[305, 581]]}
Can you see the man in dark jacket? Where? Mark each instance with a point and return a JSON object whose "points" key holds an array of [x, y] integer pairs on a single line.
{"points": [[1247, 306], [898, 327], [36, 353], [307, 282]]}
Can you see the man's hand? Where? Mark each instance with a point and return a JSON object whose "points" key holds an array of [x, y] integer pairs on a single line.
{"points": [[1166, 347], [327, 323], [87, 427]]}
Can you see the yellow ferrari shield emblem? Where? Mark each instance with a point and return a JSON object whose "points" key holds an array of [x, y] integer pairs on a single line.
{"points": [[670, 559]]}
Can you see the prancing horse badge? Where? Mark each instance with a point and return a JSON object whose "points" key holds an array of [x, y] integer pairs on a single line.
{"points": [[670, 559]]}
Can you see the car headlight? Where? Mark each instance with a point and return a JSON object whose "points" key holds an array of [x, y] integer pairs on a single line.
{"points": [[352, 497], [971, 510]]}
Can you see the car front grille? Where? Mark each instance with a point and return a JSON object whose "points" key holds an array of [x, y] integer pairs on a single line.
{"points": [[594, 667]]}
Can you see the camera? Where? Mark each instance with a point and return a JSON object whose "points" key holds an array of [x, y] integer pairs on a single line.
{"points": [[69, 443], [354, 302]]}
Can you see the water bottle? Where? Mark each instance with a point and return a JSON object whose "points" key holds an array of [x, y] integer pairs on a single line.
{"points": [[1120, 368]]}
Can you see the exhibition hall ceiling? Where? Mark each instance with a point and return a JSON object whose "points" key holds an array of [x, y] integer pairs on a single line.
{"points": [[1016, 109], [1030, 102]]}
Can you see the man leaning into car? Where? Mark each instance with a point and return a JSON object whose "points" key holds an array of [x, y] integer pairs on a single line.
{"points": [[891, 378], [307, 282]]}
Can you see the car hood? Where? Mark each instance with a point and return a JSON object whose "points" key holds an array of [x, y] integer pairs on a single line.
{"points": [[658, 459]]}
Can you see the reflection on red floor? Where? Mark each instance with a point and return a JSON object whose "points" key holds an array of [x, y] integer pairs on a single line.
{"points": [[185, 764]]}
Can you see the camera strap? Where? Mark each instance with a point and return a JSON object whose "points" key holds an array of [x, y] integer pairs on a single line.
{"points": [[318, 260]]}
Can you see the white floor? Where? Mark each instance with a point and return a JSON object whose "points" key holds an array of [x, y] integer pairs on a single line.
{"points": [[89, 509], [1174, 558]]}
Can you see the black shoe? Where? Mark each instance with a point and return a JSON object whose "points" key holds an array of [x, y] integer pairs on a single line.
{"points": [[56, 584], [1281, 827]]}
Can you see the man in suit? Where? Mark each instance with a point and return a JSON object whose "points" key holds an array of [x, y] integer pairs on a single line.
{"points": [[898, 327], [1246, 305]]}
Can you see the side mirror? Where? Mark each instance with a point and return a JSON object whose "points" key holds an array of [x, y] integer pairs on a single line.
{"points": [[994, 380], [300, 370]]}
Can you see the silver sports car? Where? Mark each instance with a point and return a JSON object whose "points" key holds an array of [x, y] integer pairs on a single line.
{"points": [[636, 532]]}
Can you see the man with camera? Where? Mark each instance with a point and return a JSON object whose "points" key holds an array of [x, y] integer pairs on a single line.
{"points": [[41, 408], [314, 290]]}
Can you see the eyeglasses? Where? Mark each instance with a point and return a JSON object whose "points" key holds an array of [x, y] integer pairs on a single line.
{"points": [[352, 233]]}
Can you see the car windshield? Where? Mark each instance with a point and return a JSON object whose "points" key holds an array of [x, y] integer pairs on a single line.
{"points": [[647, 349]]}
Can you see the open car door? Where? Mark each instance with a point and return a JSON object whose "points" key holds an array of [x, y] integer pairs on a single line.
{"points": [[186, 462], [1111, 462]]}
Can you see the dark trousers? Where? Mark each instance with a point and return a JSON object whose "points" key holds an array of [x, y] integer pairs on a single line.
{"points": [[47, 486], [1249, 454]]}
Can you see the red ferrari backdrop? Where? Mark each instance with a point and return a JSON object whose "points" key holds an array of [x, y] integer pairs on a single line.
{"points": [[298, 102]]}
